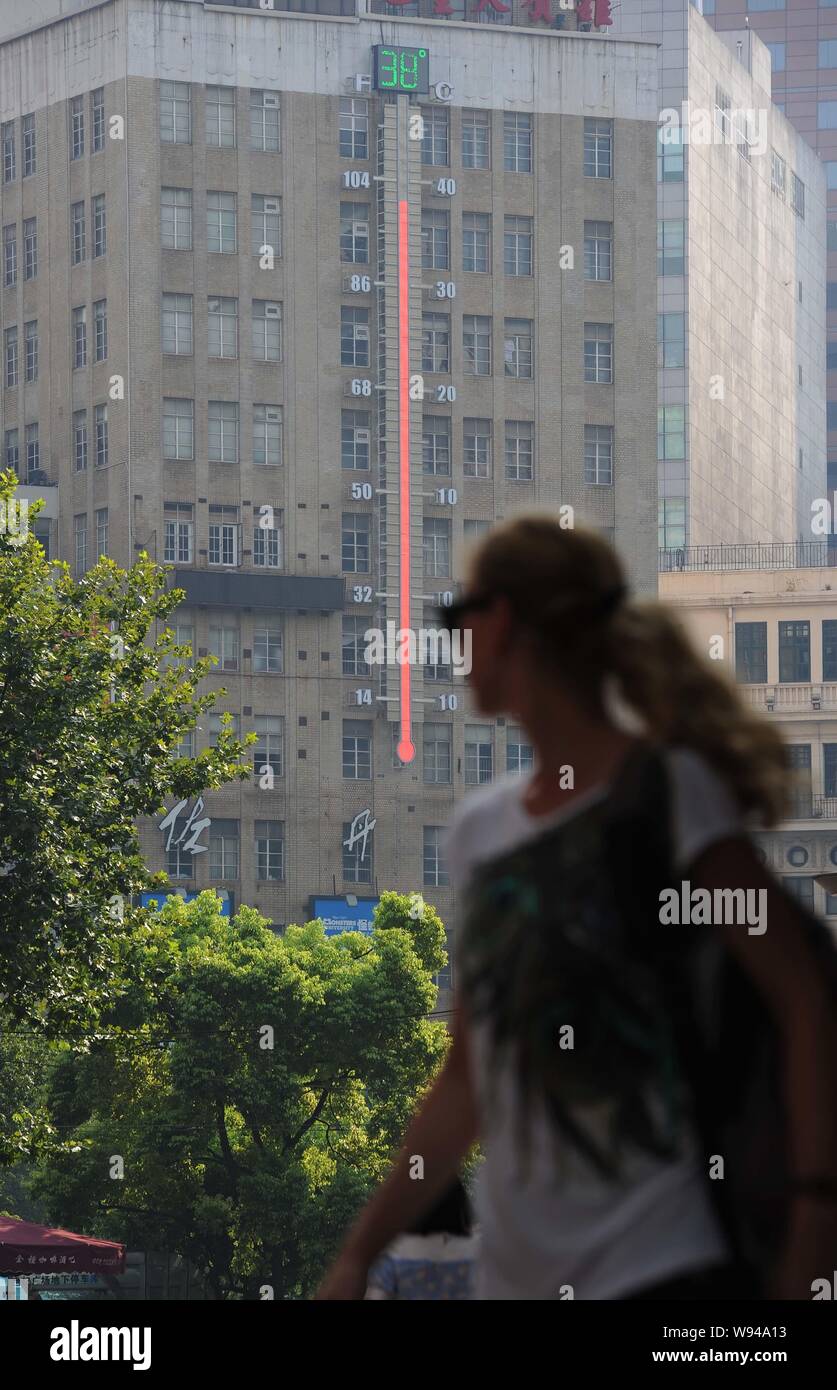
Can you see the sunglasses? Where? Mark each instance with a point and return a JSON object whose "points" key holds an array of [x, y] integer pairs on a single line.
{"points": [[450, 617]]}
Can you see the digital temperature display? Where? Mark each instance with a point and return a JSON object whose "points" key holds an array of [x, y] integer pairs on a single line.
{"points": [[396, 69]]}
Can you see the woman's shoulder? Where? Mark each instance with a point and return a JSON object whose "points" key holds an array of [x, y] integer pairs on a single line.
{"points": [[485, 821], [704, 804]]}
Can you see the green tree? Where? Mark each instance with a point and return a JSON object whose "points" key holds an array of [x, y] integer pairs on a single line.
{"points": [[253, 1085], [94, 699]]}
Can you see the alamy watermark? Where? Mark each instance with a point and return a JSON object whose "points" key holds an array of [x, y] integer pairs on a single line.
{"points": [[425, 646], [727, 907], [697, 125]]}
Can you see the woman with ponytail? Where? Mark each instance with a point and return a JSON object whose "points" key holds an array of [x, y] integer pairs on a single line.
{"points": [[620, 1149]]}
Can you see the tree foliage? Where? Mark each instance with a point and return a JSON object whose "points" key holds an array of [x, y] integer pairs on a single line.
{"points": [[254, 1087]]}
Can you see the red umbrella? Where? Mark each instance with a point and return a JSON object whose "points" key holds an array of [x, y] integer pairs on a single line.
{"points": [[29, 1249]]}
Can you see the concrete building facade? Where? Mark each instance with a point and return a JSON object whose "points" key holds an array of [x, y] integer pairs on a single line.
{"points": [[741, 255], [262, 324], [774, 626]]}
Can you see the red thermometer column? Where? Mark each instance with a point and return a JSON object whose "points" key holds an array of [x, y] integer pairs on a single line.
{"points": [[406, 747]]}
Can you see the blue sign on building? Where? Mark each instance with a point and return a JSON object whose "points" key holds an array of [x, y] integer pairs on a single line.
{"points": [[339, 915]]}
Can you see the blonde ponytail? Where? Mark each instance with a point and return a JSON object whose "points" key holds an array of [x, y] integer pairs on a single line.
{"points": [[564, 584]]}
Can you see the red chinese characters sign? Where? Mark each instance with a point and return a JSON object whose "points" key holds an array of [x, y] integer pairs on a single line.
{"points": [[596, 12]]}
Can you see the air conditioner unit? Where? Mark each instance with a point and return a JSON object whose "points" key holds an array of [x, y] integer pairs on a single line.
{"points": [[362, 436], [361, 82], [271, 205], [362, 332], [272, 311], [271, 100], [273, 415], [214, 306], [360, 228]]}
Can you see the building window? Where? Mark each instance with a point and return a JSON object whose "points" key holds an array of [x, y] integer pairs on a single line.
{"points": [[178, 533], [829, 755], [434, 669], [100, 330], [517, 142], [30, 248], [80, 544], [598, 148], [598, 352], [829, 649], [778, 52], [435, 342], [799, 886], [476, 242], [598, 250], [354, 645], [356, 542], [598, 455], [435, 547], [266, 225], [671, 340], [795, 651], [435, 240], [476, 345], [220, 117], [474, 531], [476, 448], [671, 523], [101, 531], [175, 113], [100, 225], [434, 865], [270, 850], [178, 428], [100, 416], [357, 860], [267, 544], [97, 118], [11, 450], [671, 432], [76, 127], [223, 536], [78, 224], [79, 337], [355, 439], [30, 340], [267, 435], [33, 450], [798, 193], [751, 653], [354, 337], [221, 223], [435, 146], [222, 328], [520, 450], [267, 650], [354, 128], [437, 753], [357, 750], [778, 170], [518, 239], [798, 760], [9, 256], [10, 356], [176, 324], [267, 752], [30, 148], [80, 440], [7, 139], [223, 431], [264, 120], [223, 850], [176, 219], [479, 754], [670, 158], [436, 444], [354, 233], [517, 348], [520, 754], [476, 140], [179, 860], [267, 330], [671, 247]]}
